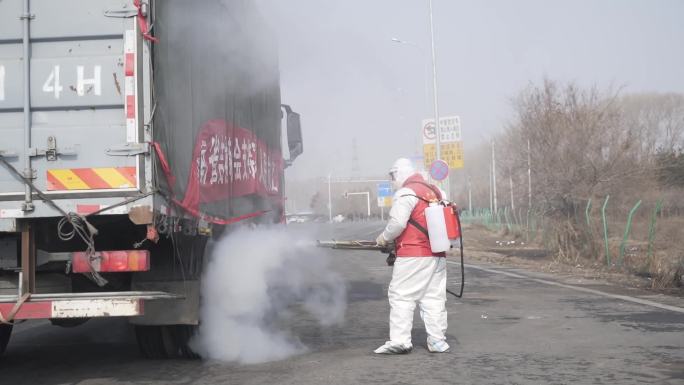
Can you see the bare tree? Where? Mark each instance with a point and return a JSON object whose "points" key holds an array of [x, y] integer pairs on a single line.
{"points": [[578, 146]]}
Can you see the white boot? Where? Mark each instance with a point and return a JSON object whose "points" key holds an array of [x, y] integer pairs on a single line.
{"points": [[391, 348], [440, 346]]}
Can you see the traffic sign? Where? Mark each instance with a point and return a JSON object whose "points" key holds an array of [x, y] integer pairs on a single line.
{"points": [[384, 194], [429, 132], [451, 149], [449, 130], [439, 170], [452, 153]]}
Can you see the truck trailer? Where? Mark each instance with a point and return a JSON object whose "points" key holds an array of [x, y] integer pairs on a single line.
{"points": [[132, 133]]}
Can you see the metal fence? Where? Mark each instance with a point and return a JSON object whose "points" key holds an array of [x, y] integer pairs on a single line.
{"points": [[605, 233]]}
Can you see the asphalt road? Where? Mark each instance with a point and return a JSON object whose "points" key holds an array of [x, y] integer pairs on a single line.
{"points": [[512, 326]]}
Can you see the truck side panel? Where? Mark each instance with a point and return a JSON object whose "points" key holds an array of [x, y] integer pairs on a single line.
{"points": [[218, 107]]}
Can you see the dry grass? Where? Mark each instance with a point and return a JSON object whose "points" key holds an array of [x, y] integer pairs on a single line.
{"points": [[570, 242]]}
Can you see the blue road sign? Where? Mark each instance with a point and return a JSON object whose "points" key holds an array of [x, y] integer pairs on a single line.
{"points": [[384, 194], [384, 189]]}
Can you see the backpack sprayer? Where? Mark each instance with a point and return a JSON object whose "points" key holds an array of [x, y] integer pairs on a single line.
{"points": [[443, 229]]}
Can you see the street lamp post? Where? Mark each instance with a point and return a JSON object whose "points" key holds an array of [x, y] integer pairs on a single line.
{"points": [[434, 85], [438, 139], [438, 130]]}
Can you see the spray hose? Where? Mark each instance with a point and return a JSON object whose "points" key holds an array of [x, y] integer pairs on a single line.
{"points": [[460, 294]]}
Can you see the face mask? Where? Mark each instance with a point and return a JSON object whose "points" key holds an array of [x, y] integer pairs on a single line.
{"points": [[400, 171], [395, 182]]}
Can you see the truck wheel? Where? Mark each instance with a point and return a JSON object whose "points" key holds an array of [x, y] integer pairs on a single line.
{"points": [[184, 334], [5, 332], [165, 341], [151, 341]]}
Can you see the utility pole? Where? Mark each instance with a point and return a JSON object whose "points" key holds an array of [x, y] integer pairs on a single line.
{"points": [[529, 176], [470, 196], [329, 198], [510, 182], [494, 177], [491, 197]]}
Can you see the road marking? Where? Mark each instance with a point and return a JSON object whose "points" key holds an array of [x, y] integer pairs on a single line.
{"points": [[578, 288]]}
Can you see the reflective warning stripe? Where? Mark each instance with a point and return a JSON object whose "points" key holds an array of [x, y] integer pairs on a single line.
{"points": [[91, 178], [114, 177], [85, 209], [67, 180], [130, 80]]}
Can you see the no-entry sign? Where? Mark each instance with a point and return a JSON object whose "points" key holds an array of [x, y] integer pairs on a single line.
{"points": [[439, 170]]}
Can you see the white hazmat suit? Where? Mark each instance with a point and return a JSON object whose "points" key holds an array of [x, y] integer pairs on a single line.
{"points": [[415, 279]]}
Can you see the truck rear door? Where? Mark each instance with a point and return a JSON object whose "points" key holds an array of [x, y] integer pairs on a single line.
{"points": [[84, 113]]}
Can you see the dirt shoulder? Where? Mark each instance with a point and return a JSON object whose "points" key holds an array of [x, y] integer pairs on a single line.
{"points": [[482, 245]]}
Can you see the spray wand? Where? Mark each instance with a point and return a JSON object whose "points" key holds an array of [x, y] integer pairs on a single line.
{"points": [[388, 249], [362, 245]]}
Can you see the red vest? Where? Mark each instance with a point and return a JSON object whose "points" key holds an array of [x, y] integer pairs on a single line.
{"points": [[412, 242]]}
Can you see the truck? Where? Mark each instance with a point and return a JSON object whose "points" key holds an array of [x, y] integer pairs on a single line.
{"points": [[133, 134]]}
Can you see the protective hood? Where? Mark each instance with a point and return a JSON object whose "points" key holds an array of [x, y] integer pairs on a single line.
{"points": [[401, 170]]}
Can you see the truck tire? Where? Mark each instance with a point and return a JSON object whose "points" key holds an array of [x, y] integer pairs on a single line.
{"points": [[151, 341], [5, 333], [165, 341]]}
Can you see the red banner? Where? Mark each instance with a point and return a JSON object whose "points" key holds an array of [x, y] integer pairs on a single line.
{"points": [[230, 162]]}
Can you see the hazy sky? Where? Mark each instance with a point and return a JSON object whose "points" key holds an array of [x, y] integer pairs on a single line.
{"points": [[342, 72]]}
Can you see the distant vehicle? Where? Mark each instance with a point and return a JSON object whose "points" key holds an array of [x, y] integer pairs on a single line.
{"points": [[304, 217], [123, 153]]}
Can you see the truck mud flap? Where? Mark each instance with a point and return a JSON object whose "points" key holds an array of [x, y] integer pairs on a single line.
{"points": [[82, 305]]}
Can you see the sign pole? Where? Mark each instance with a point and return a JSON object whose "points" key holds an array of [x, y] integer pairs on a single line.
{"points": [[384, 193], [368, 202]]}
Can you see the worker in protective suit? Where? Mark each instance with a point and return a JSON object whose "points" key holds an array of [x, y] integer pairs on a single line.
{"points": [[418, 276]]}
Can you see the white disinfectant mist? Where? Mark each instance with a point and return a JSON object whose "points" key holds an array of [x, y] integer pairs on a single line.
{"points": [[257, 283]]}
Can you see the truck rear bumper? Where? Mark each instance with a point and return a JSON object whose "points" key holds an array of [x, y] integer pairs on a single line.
{"points": [[82, 305]]}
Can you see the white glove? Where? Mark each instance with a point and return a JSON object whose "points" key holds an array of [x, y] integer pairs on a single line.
{"points": [[381, 241]]}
